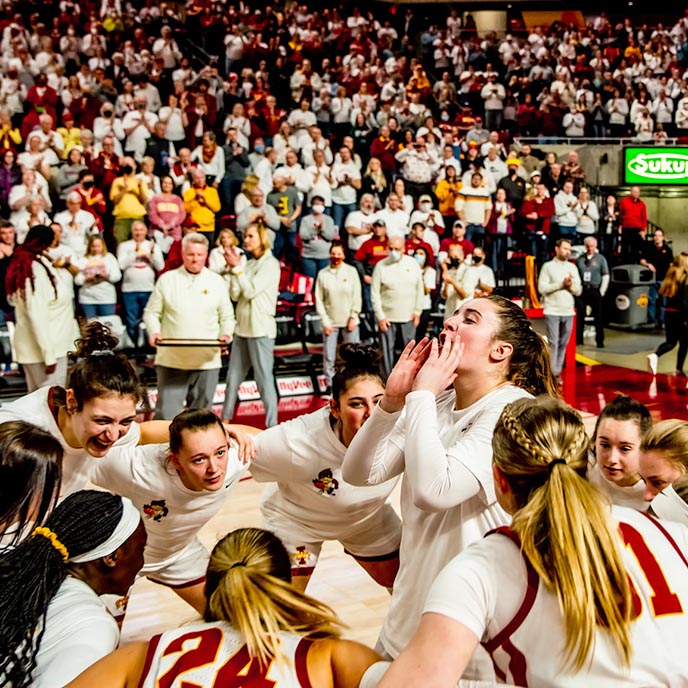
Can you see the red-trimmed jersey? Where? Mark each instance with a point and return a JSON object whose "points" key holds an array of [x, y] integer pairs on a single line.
{"points": [[491, 589], [213, 655]]}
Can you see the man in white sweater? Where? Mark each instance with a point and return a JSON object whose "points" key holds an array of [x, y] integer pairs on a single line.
{"points": [[190, 302], [396, 294], [559, 283], [565, 205], [140, 259]]}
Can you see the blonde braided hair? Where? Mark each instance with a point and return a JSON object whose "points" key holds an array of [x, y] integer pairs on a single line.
{"points": [[563, 523]]}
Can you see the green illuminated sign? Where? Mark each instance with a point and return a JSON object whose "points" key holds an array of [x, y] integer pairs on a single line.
{"points": [[656, 166]]}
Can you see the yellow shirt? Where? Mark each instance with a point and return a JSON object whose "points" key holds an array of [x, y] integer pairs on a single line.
{"points": [[202, 215], [129, 206]]}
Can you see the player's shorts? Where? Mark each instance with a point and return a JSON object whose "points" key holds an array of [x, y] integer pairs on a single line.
{"points": [[377, 539], [186, 569]]}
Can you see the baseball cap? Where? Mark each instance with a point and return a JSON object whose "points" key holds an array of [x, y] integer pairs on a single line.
{"points": [[425, 197], [513, 162], [458, 223], [535, 173], [379, 222]]}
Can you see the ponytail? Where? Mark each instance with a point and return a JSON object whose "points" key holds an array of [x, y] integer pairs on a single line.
{"points": [[530, 366], [541, 447], [249, 586], [32, 573]]}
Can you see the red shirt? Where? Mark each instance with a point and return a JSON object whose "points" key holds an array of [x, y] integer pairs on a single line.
{"points": [[465, 244], [633, 213], [372, 251], [411, 246], [544, 210]]}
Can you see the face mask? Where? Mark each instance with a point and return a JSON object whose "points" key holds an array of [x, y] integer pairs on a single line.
{"points": [[260, 149], [477, 260], [88, 185], [334, 262], [318, 209], [454, 262], [445, 116], [395, 256], [426, 207], [127, 169], [420, 259]]}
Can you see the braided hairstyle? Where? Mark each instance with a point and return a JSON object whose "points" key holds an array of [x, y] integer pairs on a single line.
{"points": [[20, 269], [30, 476], [248, 584], [97, 369], [32, 573], [541, 448], [354, 361]]}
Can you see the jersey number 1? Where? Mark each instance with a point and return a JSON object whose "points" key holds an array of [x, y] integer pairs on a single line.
{"points": [[239, 671], [663, 600]]}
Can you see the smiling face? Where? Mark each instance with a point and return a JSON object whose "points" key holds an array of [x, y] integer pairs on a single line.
{"points": [[617, 447], [658, 471], [201, 462], [355, 405], [101, 422]]}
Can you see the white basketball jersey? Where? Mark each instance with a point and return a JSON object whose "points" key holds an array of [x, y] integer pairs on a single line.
{"points": [[213, 655], [660, 597]]}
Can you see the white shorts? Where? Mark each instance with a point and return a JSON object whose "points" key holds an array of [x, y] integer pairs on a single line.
{"points": [[187, 569], [377, 539]]}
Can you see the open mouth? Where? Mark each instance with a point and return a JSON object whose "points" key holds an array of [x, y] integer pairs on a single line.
{"points": [[442, 338], [214, 480], [100, 445]]}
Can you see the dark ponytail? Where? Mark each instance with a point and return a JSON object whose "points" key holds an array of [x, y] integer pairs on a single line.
{"points": [[97, 369], [32, 573], [355, 360], [530, 365]]}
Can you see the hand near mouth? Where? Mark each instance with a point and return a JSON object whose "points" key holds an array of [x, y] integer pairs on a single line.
{"points": [[400, 380], [439, 370]]}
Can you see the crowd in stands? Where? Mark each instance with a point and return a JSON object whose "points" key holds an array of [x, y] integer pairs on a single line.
{"points": [[140, 122]]}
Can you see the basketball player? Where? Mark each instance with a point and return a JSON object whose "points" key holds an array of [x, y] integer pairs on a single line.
{"points": [[664, 456], [619, 431], [441, 440], [53, 622], [258, 630], [672, 502], [310, 501], [601, 600], [177, 488]]}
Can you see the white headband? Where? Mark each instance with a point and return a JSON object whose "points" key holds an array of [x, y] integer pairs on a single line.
{"points": [[125, 528], [668, 505]]}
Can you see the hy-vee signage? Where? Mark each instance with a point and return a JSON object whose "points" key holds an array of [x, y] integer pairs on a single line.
{"points": [[656, 166]]}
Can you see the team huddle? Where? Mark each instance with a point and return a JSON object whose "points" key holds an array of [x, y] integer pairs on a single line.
{"points": [[525, 552]]}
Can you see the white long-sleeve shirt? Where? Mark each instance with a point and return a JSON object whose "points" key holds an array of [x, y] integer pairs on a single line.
{"points": [[189, 306], [558, 300], [397, 291], [139, 264], [255, 288], [440, 450], [565, 209], [99, 292], [338, 295]]}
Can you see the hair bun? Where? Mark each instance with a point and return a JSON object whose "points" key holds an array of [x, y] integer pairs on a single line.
{"points": [[95, 337], [356, 356]]}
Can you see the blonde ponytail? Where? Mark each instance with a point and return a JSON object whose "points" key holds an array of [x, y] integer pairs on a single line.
{"points": [[249, 586], [563, 523]]}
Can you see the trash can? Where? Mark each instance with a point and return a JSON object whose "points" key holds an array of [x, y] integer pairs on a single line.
{"points": [[629, 291]]}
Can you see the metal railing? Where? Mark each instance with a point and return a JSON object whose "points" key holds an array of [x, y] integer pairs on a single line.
{"points": [[592, 140]]}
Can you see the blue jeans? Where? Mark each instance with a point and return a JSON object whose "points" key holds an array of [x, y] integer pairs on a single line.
{"points": [[312, 266], [94, 310], [339, 213], [567, 232], [655, 306], [330, 342], [134, 305], [475, 233]]}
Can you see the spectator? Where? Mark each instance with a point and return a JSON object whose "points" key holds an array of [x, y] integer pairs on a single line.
{"points": [[225, 244], [147, 174], [190, 302], [166, 211], [479, 279], [587, 214], [454, 269], [447, 192], [559, 283], [69, 173], [254, 289], [99, 273], [10, 176], [633, 223], [416, 239], [77, 225], [359, 223], [396, 294], [92, 199], [317, 231], [210, 158], [202, 203], [423, 257], [565, 210], [499, 229], [32, 214], [417, 167], [513, 183], [474, 207], [138, 125], [106, 166], [338, 303], [259, 212], [346, 181], [457, 238], [129, 196], [494, 94], [284, 198], [375, 182], [236, 166], [396, 220], [573, 170], [657, 257], [537, 212], [594, 274]]}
